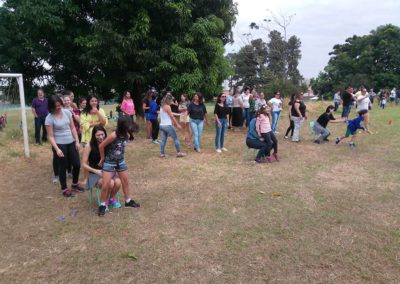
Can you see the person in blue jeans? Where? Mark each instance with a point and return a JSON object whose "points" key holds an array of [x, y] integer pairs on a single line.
{"points": [[221, 114], [276, 104], [197, 114], [40, 110], [166, 125]]}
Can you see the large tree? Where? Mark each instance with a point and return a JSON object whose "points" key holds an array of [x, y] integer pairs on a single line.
{"points": [[103, 45], [372, 60]]}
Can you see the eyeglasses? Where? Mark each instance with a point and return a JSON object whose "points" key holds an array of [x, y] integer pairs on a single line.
{"points": [[223, 96]]}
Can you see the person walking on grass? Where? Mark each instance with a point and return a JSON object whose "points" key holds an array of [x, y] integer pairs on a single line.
{"points": [[352, 127], [264, 131], [364, 103], [383, 99], [90, 162], [336, 100], [298, 113], [245, 96], [184, 118], [291, 122], [112, 160], [40, 110], [65, 143], [146, 109], [167, 126], [347, 101], [221, 114], [276, 104], [320, 126], [198, 114]]}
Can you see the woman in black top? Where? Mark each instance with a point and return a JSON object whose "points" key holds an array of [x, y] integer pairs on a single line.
{"points": [[197, 114], [221, 114], [320, 126], [291, 126], [298, 113], [90, 162]]}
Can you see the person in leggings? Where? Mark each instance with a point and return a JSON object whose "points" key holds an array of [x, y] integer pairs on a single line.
{"points": [[65, 142], [291, 126]]}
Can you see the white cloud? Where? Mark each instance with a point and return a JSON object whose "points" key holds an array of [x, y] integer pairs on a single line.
{"points": [[319, 24]]}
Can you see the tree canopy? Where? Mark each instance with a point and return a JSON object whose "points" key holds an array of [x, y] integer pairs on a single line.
{"points": [[97, 46], [372, 60]]}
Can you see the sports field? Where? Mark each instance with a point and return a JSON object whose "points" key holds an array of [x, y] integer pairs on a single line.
{"points": [[323, 214]]}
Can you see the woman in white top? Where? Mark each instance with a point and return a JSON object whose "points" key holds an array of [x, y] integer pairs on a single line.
{"points": [[363, 103], [276, 104], [166, 125], [246, 105]]}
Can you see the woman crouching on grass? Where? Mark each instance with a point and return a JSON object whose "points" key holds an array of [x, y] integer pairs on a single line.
{"points": [[264, 130], [90, 162], [112, 159], [65, 143]]}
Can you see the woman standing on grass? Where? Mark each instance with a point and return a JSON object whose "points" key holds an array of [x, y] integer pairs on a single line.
{"points": [[65, 143], [299, 113], [197, 113], [152, 116], [276, 104], [166, 126], [91, 116], [237, 111], [221, 114], [128, 107], [245, 96], [146, 110], [291, 125], [112, 159], [184, 118], [90, 162]]}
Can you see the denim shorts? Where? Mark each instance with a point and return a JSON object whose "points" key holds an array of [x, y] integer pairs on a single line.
{"points": [[111, 166]]}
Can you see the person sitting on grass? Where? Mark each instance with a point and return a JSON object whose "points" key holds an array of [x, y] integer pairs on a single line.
{"points": [[352, 127], [264, 130], [112, 159], [90, 162], [320, 128]]}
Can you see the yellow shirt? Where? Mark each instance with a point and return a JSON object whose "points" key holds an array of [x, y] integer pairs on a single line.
{"points": [[86, 120]]}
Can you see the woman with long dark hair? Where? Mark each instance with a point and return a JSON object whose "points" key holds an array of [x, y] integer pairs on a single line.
{"points": [[127, 106], [221, 114], [91, 116], [197, 113], [299, 113], [291, 125], [65, 143]]}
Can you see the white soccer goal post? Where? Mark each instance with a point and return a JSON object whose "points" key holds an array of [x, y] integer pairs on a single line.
{"points": [[23, 111]]}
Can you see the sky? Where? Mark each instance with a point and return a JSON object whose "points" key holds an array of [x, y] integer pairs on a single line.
{"points": [[319, 24]]}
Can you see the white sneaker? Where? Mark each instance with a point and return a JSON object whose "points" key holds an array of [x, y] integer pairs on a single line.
{"points": [[224, 149], [55, 179], [276, 132], [219, 151]]}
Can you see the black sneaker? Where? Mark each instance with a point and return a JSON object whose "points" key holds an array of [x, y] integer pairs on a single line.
{"points": [[326, 139], [132, 204], [102, 210], [317, 142]]}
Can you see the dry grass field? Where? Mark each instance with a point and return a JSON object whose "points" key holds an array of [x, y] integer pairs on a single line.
{"points": [[323, 214]]}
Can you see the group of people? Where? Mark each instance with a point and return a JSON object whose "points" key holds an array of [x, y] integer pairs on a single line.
{"points": [[68, 125], [103, 160]]}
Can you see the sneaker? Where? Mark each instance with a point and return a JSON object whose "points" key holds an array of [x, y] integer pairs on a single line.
{"points": [[155, 142], [276, 156], [162, 156], [352, 145], [69, 175], [55, 179], [67, 193], [317, 142], [224, 149], [102, 210], [268, 159], [286, 137], [132, 204], [276, 132], [114, 203], [326, 139], [219, 151], [181, 155], [197, 150], [77, 188], [337, 140]]}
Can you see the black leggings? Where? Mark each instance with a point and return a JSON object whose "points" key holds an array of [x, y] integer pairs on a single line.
{"points": [[155, 128], [271, 141], [291, 127], [72, 155]]}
